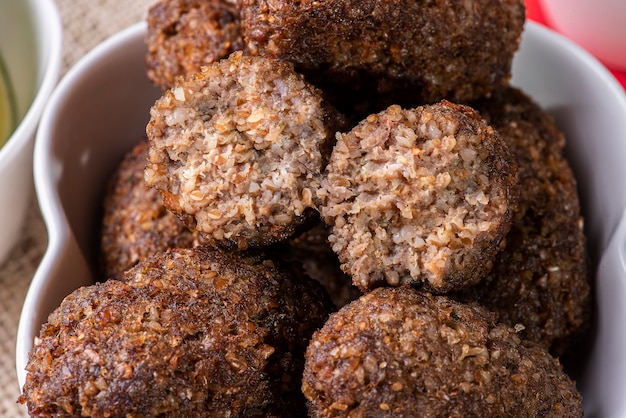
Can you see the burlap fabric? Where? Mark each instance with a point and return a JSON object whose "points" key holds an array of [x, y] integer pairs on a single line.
{"points": [[86, 23]]}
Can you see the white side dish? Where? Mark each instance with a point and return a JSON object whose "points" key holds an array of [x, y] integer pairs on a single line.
{"points": [[31, 44]]}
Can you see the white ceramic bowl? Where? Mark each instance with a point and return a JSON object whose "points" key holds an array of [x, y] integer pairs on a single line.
{"points": [[31, 49], [101, 108]]}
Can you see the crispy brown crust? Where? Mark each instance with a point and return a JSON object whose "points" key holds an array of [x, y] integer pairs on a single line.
{"points": [[313, 252], [452, 49], [541, 279], [185, 35], [192, 332], [420, 196], [135, 223], [236, 151], [404, 353]]}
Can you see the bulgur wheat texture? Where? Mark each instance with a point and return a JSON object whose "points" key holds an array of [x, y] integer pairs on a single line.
{"points": [[541, 279], [419, 196], [135, 223], [313, 252], [237, 150], [446, 49], [399, 352], [189, 333], [185, 35]]}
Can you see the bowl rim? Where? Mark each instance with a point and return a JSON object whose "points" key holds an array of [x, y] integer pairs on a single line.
{"points": [[42, 11]]}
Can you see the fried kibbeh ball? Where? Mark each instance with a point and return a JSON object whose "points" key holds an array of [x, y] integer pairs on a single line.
{"points": [[419, 196], [135, 223], [190, 333], [237, 150], [313, 252], [399, 352], [447, 49], [541, 279], [184, 35]]}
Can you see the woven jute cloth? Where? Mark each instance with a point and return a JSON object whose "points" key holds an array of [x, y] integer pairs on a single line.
{"points": [[86, 23]]}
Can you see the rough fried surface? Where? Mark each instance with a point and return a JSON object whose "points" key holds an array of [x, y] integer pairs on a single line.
{"points": [[191, 333], [541, 279], [135, 223], [397, 352], [237, 150], [452, 49], [313, 252], [419, 196], [184, 35]]}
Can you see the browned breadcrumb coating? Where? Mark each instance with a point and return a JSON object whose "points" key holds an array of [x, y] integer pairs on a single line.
{"points": [[191, 333], [541, 279], [419, 196], [445, 49], [313, 251], [398, 352], [135, 223], [236, 151], [184, 35]]}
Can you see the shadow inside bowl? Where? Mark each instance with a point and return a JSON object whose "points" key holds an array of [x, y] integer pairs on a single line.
{"points": [[31, 38], [97, 113]]}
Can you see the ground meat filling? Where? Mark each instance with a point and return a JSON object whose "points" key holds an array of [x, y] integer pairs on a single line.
{"points": [[237, 149], [398, 352], [420, 195]]}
